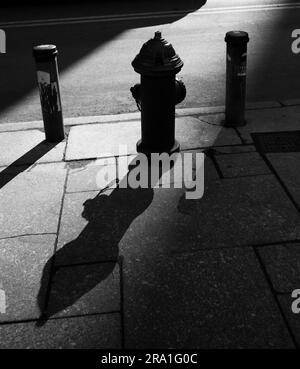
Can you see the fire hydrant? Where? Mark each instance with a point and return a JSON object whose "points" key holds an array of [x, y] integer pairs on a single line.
{"points": [[157, 95]]}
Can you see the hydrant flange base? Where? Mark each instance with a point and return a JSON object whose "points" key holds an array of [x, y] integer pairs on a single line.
{"points": [[148, 150]]}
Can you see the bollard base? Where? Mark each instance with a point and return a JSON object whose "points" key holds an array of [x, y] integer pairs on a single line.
{"points": [[140, 148], [231, 123]]}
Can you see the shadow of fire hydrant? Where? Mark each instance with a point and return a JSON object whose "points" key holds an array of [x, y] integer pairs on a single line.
{"points": [[109, 217]]}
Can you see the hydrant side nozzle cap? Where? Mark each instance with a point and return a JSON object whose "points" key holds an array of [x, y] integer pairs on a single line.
{"points": [[157, 56], [237, 37], [44, 51]]}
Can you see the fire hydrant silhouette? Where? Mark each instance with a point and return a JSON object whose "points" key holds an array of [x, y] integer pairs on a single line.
{"points": [[157, 95]]}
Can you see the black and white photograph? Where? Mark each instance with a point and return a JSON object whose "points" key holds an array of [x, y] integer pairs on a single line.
{"points": [[150, 178]]}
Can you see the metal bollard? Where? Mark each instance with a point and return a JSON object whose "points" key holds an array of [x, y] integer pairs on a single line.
{"points": [[236, 68], [47, 78]]}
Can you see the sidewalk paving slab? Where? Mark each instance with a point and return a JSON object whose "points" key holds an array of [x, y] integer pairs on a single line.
{"points": [[282, 263], [28, 147], [209, 299], [91, 141], [21, 265], [86, 175], [270, 120], [287, 167], [232, 212], [30, 200], [85, 289], [88, 332], [213, 119], [87, 232], [92, 224], [293, 319], [242, 164], [88, 142], [243, 211]]}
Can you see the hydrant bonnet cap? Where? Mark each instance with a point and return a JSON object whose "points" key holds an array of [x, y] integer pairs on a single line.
{"points": [[157, 55]]}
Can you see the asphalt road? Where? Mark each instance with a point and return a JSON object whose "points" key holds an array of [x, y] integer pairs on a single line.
{"points": [[97, 43]]}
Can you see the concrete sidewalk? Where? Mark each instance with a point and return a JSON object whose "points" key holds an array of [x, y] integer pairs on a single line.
{"points": [[148, 268]]}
